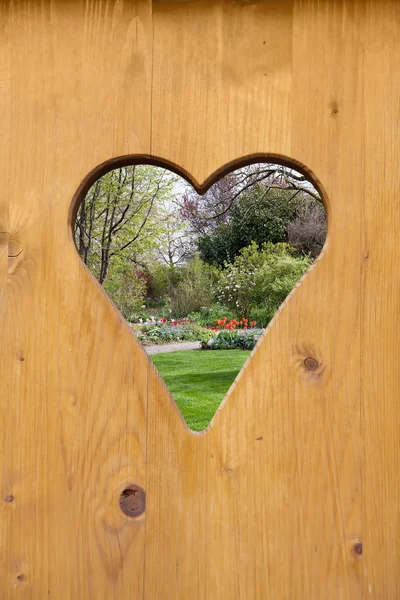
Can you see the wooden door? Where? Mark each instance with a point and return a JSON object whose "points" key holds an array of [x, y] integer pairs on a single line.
{"points": [[292, 493]]}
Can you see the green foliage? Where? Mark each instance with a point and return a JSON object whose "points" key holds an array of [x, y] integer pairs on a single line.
{"points": [[277, 277], [127, 289], [260, 215], [260, 277], [194, 289], [260, 314], [218, 246], [132, 232], [119, 218], [157, 333], [231, 340], [208, 316], [165, 278], [236, 285]]}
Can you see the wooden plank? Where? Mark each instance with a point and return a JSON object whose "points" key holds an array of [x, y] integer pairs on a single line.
{"points": [[329, 96], [73, 418], [380, 307], [268, 500]]}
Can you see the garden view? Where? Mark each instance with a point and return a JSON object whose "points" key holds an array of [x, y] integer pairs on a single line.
{"points": [[199, 277]]}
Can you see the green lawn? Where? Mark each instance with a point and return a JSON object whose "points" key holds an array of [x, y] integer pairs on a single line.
{"points": [[199, 380]]}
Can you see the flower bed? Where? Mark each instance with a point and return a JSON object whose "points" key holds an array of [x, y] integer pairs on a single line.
{"points": [[224, 335], [229, 335], [163, 331]]}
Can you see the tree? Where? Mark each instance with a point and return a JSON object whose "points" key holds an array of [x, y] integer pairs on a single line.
{"points": [[255, 203], [138, 229], [205, 212], [259, 215], [307, 231], [195, 288], [127, 288], [117, 220], [174, 244]]}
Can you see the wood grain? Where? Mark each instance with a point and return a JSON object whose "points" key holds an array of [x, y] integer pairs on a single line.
{"points": [[298, 466], [74, 406], [380, 305]]}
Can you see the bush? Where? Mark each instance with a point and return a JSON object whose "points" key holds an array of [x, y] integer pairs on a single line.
{"points": [[277, 277], [261, 277], [127, 289], [194, 290], [207, 316], [307, 232], [160, 333], [231, 340], [164, 279], [261, 315]]}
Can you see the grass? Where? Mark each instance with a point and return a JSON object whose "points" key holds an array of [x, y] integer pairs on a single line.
{"points": [[198, 380]]}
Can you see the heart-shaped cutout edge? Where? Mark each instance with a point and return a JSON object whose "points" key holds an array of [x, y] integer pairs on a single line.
{"points": [[200, 188]]}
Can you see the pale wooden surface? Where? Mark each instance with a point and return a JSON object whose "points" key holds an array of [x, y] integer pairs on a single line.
{"points": [[229, 515]]}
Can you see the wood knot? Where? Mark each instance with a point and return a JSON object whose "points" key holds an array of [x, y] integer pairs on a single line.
{"points": [[15, 246], [334, 109], [311, 363], [132, 501], [15, 250], [228, 470], [313, 367]]}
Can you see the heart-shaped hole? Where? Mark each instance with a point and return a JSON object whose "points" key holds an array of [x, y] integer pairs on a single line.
{"points": [[199, 271]]}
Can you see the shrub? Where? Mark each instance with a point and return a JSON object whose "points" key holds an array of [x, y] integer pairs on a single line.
{"points": [[307, 232], [277, 277], [161, 333], [261, 315], [194, 290], [261, 277], [127, 289], [236, 282], [164, 279], [230, 340], [208, 316]]}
